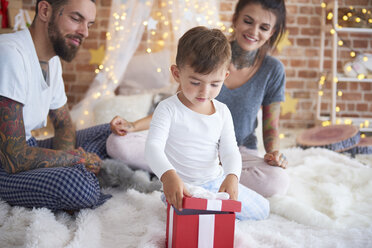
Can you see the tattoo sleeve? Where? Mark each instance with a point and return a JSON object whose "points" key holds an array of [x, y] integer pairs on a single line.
{"points": [[270, 126], [15, 154], [64, 131]]}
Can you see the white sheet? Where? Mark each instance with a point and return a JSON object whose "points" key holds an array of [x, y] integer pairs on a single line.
{"points": [[328, 205]]}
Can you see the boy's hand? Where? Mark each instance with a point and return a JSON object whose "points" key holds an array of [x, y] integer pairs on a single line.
{"points": [[276, 158], [120, 126], [174, 189], [230, 185]]}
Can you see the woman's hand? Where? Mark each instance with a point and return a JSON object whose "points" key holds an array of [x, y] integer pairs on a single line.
{"points": [[275, 158], [230, 186], [174, 189], [120, 126]]}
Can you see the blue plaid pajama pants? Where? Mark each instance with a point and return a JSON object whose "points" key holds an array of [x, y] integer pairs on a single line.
{"points": [[59, 188]]}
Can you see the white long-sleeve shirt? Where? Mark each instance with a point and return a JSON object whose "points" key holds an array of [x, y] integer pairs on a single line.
{"points": [[191, 143]]}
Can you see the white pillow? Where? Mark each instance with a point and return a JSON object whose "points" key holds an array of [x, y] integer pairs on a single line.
{"points": [[131, 108]]}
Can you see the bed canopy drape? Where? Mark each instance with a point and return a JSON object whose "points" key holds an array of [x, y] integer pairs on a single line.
{"points": [[150, 26]]}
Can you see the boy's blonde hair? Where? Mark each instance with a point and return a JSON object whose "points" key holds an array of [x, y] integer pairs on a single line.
{"points": [[203, 49]]}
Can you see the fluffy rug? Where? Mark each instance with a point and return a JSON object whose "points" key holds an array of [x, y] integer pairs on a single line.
{"points": [[329, 204]]}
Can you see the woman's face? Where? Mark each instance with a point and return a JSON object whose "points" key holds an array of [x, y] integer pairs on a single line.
{"points": [[254, 26]]}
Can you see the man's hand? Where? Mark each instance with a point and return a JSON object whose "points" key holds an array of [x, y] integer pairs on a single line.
{"points": [[174, 189], [91, 160], [120, 126], [276, 158], [230, 186]]}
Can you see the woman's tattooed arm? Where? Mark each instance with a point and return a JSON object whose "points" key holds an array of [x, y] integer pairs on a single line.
{"points": [[270, 120]]}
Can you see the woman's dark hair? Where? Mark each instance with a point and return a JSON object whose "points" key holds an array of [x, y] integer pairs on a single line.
{"points": [[277, 7]]}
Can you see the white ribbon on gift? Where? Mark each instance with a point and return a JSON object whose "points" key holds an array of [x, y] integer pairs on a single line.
{"points": [[206, 225], [170, 227]]}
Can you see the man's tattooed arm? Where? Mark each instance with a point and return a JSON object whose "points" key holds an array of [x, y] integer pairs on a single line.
{"points": [[270, 120], [15, 154], [64, 131]]}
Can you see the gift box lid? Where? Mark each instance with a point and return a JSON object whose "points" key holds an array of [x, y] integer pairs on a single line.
{"points": [[213, 205]]}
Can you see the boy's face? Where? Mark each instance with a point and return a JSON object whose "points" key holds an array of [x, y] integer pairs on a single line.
{"points": [[69, 27], [197, 90]]}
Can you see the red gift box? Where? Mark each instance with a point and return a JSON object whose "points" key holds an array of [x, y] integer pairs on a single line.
{"points": [[202, 223]]}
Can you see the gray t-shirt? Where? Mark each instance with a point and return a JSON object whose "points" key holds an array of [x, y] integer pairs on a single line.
{"points": [[265, 87]]}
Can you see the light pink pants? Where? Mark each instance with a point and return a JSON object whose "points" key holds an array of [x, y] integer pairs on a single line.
{"points": [[257, 175]]}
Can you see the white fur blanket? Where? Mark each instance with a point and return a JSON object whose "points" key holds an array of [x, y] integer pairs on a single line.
{"points": [[329, 204]]}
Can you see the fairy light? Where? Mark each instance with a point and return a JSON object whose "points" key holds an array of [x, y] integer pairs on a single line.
{"points": [[361, 76], [321, 93], [335, 80], [348, 121], [363, 135], [340, 43], [330, 16], [352, 54], [323, 5], [281, 136], [339, 93], [326, 123], [332, 31], [338, 109], [366, 123]]}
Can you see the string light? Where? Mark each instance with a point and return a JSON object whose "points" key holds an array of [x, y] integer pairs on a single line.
{"points": [[348, 121]]}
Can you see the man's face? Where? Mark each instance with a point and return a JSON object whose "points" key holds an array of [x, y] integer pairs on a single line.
{"points": [[69, 26]]}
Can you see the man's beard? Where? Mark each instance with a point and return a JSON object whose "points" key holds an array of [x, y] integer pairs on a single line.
{"points": [[61, 48]]}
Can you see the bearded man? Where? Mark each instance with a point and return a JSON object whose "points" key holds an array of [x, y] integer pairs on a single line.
{"points": [[57, 173]]}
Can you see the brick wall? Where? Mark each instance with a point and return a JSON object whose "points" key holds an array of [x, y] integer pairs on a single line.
{"points": [[301, 60]]}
